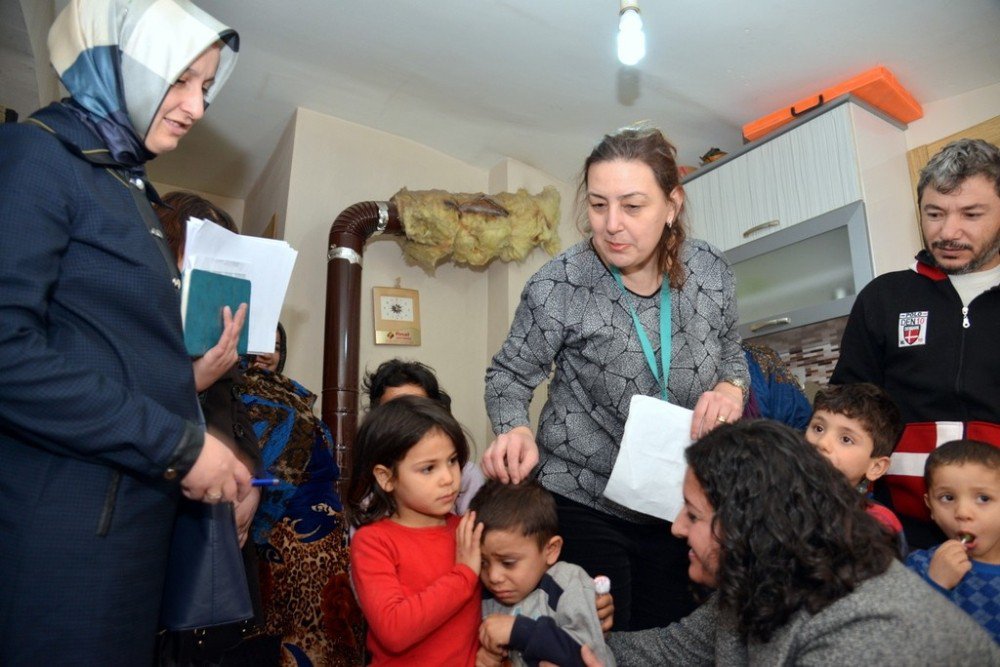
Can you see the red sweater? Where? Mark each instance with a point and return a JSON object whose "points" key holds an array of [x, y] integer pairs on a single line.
{"points": [[422, 607]]}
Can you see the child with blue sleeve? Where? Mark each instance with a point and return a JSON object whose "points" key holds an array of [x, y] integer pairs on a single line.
{"points": [[963, 494]]}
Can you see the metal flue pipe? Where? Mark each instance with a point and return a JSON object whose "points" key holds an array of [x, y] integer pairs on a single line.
{"points": [[342, 333]]}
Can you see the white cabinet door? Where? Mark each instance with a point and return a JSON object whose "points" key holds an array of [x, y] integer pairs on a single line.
{"points": [[822, 169], [768, 175], [718, 204], [796, 176]]}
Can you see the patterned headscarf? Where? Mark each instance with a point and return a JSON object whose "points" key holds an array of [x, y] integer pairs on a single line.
{"points": [[118, 58]]}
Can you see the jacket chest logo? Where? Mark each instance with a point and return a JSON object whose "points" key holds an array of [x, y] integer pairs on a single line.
{"points": [[913, 328]]}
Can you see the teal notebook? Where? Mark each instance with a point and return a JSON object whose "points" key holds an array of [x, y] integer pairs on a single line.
{"points": [[203, 296]]}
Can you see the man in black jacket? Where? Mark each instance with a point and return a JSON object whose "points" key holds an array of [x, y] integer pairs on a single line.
{"points": [[928, 334]]}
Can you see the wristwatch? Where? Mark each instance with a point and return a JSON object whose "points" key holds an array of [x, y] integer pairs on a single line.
{"points": [[741, 383]]}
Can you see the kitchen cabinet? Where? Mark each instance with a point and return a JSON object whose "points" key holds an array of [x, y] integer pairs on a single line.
{"points": [[805, 273], [836, 163]]}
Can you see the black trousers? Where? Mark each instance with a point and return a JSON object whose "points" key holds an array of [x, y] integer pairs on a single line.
{"points": [[646, 564]]}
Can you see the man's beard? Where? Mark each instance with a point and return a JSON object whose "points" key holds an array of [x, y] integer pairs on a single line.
{"points": [[988, 254]]}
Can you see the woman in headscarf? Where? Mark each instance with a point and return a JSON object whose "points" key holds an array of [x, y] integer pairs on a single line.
{"points": [[100, 431]]}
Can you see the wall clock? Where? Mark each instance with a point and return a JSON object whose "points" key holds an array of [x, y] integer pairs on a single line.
{"points": [[397, 316]]}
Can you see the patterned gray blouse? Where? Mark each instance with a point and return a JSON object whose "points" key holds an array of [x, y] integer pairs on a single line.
{"points": [[572, 315]]}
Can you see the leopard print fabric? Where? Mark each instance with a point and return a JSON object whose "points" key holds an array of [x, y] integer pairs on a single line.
{"points": [[308, 600]]}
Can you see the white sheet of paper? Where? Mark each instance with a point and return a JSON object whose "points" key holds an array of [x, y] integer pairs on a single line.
{"points": [[649, 471], [268, 264]]}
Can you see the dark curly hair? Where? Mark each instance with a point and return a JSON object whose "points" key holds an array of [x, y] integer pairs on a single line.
{"points": [[398, 372], [386, 435], [793, 533], [649, 146]]}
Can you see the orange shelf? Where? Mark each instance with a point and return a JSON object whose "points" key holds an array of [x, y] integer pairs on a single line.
{"points": [[878, 87]]}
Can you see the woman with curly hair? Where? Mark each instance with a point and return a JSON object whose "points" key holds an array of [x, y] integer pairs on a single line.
{"points": [[802, 575]]}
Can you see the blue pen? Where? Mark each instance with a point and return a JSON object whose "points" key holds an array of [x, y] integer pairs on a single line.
{"points": [[265, 481]]}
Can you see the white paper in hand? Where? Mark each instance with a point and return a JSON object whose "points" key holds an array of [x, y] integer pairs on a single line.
{"points": [[266, 263], [649, 471]]}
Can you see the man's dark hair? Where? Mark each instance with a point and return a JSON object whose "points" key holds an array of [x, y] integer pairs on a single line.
{"points": [[868, 404], [527, 508]]}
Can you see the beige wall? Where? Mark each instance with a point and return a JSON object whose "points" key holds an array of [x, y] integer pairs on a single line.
{"points": [[336, 164], [506, 280], [953, 114], [231, 205], [465, 312], [268, 198]]}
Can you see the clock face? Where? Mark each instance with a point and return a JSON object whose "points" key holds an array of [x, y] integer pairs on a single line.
{"points": [[399, 308]]}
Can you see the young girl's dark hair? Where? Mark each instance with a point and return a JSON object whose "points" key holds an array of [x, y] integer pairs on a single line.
{"points": [[386, 434]]}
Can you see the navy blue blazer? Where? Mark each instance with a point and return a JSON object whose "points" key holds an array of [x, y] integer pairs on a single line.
{"points": [[98, 410]]}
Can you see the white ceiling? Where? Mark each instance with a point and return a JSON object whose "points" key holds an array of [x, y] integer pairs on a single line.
{"points": [[538, 81]]}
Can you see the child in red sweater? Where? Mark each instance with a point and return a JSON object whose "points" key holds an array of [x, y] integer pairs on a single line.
{"points": [[414, 565]]}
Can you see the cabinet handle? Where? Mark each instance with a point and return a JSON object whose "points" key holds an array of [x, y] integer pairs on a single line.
{"points": [[796, 114], [770, 323], [764, 225]]}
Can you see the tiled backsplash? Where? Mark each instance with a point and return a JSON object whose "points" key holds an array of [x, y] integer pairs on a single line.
{"points": [[811, 352]]}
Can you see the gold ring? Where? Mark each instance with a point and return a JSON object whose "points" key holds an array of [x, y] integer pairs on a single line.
{"points": [[722, 420]]}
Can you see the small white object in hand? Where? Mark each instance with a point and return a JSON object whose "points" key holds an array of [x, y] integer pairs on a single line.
{"points": [[602, 585]]}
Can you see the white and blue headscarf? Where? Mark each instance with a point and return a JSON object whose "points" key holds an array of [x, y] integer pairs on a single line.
{"points": [[118, 58]]}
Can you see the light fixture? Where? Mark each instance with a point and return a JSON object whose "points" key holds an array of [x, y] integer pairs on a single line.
{"points": [[631, 39]]}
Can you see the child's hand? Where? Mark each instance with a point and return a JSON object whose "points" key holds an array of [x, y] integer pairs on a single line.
{"points": [[494, 633], [949, 564], [244, 511], [467, 538], [486, 658], [605, 611]]}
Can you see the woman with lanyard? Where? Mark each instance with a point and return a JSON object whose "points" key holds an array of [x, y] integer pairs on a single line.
{"points": [[99, 423], [635, 309]]}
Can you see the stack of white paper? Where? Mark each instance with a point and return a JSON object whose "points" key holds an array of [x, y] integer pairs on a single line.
{"points": [[649, 471], [266, 263]]}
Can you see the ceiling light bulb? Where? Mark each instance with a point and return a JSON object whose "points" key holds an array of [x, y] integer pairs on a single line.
{"points": [[631, 39]]}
